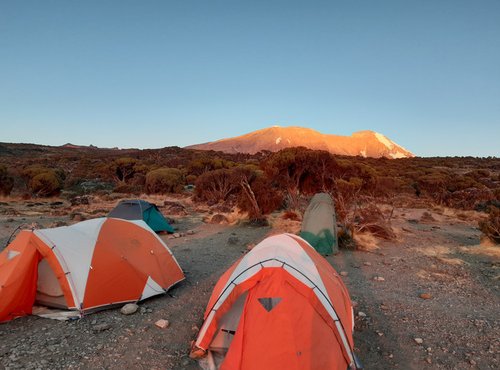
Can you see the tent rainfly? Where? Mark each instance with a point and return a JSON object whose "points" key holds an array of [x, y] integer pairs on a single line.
{"points": [[319, 225], [281, 306], [87, 266], [137, 209]]}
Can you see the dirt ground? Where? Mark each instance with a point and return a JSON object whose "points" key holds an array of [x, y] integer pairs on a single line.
{"points": [[457, 321]]}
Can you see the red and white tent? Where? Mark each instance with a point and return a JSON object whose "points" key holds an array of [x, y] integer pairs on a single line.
{"points": [[83, 267], [281, 306]]}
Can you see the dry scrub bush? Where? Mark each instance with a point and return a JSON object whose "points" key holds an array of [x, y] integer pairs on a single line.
{"points": [[164, 180], [215, 186], [258, 198], [291, 215], [491, 227], [42, 181], [370, 218], [6, 181]]}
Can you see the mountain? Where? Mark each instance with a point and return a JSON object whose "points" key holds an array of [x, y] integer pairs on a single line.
{"points": [[275, 138]]}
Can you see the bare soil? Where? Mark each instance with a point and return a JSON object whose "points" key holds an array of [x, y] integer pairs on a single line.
{"points": [[458, 322]]}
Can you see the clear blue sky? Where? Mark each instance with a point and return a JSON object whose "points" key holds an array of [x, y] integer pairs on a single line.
{"points": [[150, 74]]}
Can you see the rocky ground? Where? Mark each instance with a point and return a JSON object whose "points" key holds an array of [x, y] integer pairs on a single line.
{"points": [[429, 299]]}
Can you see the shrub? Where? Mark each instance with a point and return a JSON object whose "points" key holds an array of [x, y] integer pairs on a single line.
{"points": [[6, 181], [45, 184], [491, 227], [260, 191], [215, 186], [165, 180]]}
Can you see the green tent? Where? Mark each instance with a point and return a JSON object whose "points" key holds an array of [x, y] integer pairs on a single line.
{"points": [[319, 225], [137, 209]]}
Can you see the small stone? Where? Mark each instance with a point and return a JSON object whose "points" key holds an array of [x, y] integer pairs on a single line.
{"points": [[425, 296], [93, 322], [429, 349], [129, 309], [190, 232], [344, 273], [418, 340], [176, 235], [428, 360], [101, 327], [378, 278], [361, 314], [367, 263], [162, 324], [233, 240]]}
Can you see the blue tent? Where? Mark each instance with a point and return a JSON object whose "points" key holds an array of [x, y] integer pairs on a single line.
{"points": [[137, 209]]}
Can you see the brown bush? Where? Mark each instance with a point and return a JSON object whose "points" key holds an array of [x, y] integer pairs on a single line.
{"points": [[258, 197], [164, 180], [370, 218], [6, 181], [491, 227], [44, 183], [215, 186], [291, 215]]}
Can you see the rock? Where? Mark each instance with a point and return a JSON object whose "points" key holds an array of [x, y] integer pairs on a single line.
{"points": [[81, 200], [219, 219], [162, 324], [233, 240], [361, 314], [367, 263], [344, 273], [190, 232], [425, 296], [101, 327], [176, 235], [58, 224], [378, 278], [428, 360], [418, 340], [77, 217], [129, 309]]}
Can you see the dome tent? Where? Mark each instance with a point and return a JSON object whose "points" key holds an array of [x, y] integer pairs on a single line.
{"points": [[281, 306], [87, 266], [319, 225], [137, 209]]}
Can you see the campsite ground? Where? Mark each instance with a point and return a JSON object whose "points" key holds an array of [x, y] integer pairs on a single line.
{"points": [[439, 255]]}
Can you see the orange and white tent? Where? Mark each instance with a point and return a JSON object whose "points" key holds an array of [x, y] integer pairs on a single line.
{"points": [[84, 267], [281, 306]]}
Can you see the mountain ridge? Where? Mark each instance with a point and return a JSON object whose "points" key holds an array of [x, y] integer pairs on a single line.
{"points": [[364, 143]]}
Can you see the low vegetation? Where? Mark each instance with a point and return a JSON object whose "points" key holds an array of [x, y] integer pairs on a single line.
{"points": [[262, 183]]}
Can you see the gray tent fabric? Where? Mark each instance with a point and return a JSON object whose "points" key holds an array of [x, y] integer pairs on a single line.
{"points": [[319, 225], [138, 209]]}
